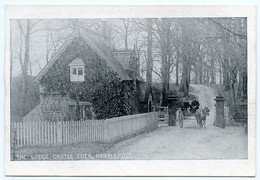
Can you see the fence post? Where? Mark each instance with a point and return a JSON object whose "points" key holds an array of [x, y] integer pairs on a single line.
{"points": [[13, 143], [59, 132], [106, 131]]}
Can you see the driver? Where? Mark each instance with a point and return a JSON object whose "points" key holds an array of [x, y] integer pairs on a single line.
{"points": [[186, 105], [195, 105]]}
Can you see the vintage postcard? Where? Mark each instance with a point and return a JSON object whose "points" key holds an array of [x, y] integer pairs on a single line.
{"points": [[130, 91]]}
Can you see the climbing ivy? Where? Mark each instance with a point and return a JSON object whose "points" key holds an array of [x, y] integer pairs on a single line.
{"points": [[102, 86]]}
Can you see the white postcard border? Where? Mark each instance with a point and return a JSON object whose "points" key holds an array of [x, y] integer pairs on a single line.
{"points": [[137, 167]]}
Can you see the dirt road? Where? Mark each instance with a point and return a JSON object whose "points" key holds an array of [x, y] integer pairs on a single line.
{"points": [[188, 142]]}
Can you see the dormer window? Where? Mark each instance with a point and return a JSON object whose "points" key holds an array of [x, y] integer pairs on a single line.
{"points": [[80, 71], [77, 70], [74, 71]]}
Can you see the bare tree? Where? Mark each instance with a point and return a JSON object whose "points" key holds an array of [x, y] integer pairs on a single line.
{"points": [[26, 28], [186, 31], [165, 32], [124, 28], [149, 62]]}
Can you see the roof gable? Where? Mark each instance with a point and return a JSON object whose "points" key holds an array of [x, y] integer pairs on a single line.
{"points": [[55, 57], [104, 49], [98, 44], [123, 57]]}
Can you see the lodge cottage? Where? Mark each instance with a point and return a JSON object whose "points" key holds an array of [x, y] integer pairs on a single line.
{"points": [[65, 81]]}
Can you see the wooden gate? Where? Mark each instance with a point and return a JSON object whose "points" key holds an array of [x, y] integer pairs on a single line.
{"points": [[163, 114]]}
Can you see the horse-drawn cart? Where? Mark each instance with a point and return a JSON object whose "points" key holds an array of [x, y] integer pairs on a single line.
{"points": [[199, 116]]}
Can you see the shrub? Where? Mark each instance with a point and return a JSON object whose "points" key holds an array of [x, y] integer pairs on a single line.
{"points": [[32, 98]]}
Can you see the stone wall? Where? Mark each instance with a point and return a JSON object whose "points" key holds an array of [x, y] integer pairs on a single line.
{"points": [[54, 107], [123, 127]]}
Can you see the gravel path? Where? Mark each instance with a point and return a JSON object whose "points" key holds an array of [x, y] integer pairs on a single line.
{"points": [[189, 142]]}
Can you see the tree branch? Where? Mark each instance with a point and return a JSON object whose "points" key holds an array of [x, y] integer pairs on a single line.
{"points": [[157, 73], [242, 36], [21, 28]]}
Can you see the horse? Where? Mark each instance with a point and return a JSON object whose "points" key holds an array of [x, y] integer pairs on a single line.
{"points": [[201, 115]]}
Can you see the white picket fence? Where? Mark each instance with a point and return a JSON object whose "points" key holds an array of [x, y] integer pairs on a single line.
{"points": [[69, 132]]}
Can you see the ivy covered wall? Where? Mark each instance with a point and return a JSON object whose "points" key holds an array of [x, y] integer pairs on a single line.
{"points": [[102, 87]]}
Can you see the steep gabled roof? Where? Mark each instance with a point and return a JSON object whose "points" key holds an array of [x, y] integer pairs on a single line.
{"points": [[104, 49], [55, 57], [98, 44], [123, 57]]}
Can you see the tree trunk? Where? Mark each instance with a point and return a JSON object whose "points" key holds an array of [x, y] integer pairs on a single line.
{"points": [[25, 67], [226, 78], [212, 71], [220, 75], [184, 86], [200, 72], [149, 55], [244, 81], [207, 75], [149, 63], [126, 28], [126, 42], [225, 65], [30, 66], [240, 86], [196, 64], [165, 55], [186, 60], [165, 80], [196, 74], [177, 73], [234, 91], [177, 47]]}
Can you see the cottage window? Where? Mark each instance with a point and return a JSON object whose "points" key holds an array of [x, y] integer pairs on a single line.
{"points": [[77, 70], [85, 111], [74, 71], [80, 71]]}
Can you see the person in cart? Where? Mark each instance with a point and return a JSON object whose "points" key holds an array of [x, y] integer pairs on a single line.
{"points": [[185, 107], [195, 105]]}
